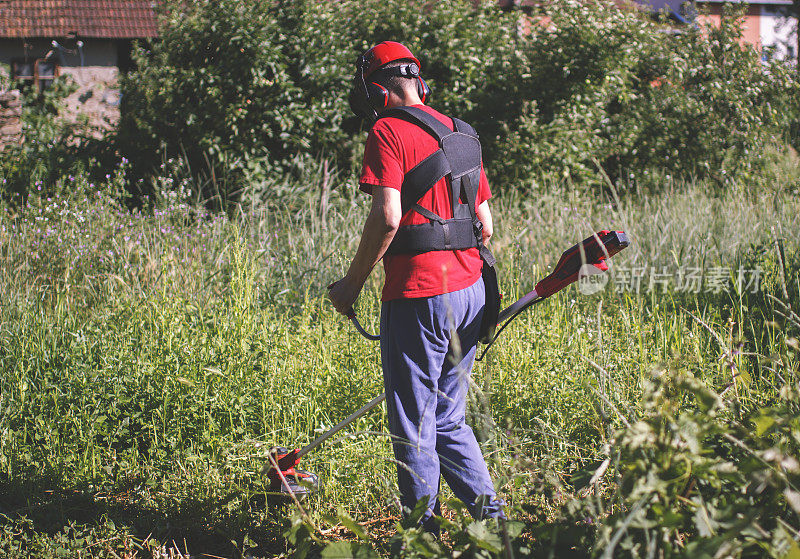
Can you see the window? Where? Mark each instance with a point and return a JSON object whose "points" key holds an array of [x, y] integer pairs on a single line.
{"points": [[22, 70], [39, 73], [46, 72]]}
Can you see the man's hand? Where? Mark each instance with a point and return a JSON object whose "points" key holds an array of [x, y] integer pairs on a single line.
{"points": [[343, 294]]}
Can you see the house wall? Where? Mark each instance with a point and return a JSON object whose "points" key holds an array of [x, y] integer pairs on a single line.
{"points": [[765, 25], [95, 74], [779, 31], [751, 26], [10, 127]]}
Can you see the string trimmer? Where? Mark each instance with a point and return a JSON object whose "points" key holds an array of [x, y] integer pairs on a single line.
{"points": [[288, 480]]}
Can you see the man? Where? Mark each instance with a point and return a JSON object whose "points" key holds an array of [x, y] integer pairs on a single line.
{"points": [[433, 296]]}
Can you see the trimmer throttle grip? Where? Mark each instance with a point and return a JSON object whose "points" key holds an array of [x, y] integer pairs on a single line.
{"points": [[593, 251]]}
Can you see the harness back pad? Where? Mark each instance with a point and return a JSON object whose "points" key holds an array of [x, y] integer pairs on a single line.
{"points": [[459, 157]]}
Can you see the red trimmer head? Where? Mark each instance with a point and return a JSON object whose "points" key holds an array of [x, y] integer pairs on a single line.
{"points": [[290, 480]]}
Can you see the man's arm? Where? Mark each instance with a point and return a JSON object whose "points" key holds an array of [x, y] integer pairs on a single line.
{"points": [[379, 230]]}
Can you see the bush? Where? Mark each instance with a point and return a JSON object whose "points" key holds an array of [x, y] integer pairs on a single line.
{"points": [[244, 88], [704, 482], [608, 89], [222, 89], [241, 89]]}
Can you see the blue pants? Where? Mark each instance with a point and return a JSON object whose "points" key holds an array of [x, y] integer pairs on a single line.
{"points": [[426, 393]]}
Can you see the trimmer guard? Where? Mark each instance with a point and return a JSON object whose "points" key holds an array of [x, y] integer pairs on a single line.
{"points": [[290, 480]]}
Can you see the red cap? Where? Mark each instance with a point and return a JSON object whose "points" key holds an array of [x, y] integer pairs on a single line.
{"points": [[385, 52]]}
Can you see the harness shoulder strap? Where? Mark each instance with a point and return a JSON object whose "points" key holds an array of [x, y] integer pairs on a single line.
{"points": [[430, 170], [422, 177], [464, 128], [417, 116]]}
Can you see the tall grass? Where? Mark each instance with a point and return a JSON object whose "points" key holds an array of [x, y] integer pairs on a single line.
{"points": [[150, 358]]}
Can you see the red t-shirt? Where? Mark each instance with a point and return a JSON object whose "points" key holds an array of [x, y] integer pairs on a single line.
{"points": [[394, 147]]}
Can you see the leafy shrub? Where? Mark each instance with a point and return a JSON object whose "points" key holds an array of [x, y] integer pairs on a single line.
{"points": [[243, 88], [606, 88], [703, 482], [218, 88], [19, 538]]}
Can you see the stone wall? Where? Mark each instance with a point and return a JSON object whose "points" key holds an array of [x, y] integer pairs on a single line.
{"points": [[10, 127], [97, 96]]}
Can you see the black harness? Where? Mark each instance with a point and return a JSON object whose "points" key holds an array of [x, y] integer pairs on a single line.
{"points": [[458, 157]]}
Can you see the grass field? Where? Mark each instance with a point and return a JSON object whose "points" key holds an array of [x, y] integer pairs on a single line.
{"points": [[150, 360]]}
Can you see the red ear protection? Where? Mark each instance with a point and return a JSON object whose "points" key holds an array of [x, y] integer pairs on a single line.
{"points": [[423, 90], [377, 95]]}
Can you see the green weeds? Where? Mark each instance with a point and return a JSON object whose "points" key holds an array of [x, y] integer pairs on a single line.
{"points": [[150, 359]]}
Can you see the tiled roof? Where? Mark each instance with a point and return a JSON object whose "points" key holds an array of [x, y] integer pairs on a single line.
{"points": [[108, 19]]}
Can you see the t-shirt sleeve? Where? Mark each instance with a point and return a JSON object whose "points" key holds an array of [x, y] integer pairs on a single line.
{"points": [[382, 161], [484, 193]]}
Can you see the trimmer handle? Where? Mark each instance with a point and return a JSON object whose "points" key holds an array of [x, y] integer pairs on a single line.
{"points": [[351, 314], [593, 250]]}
